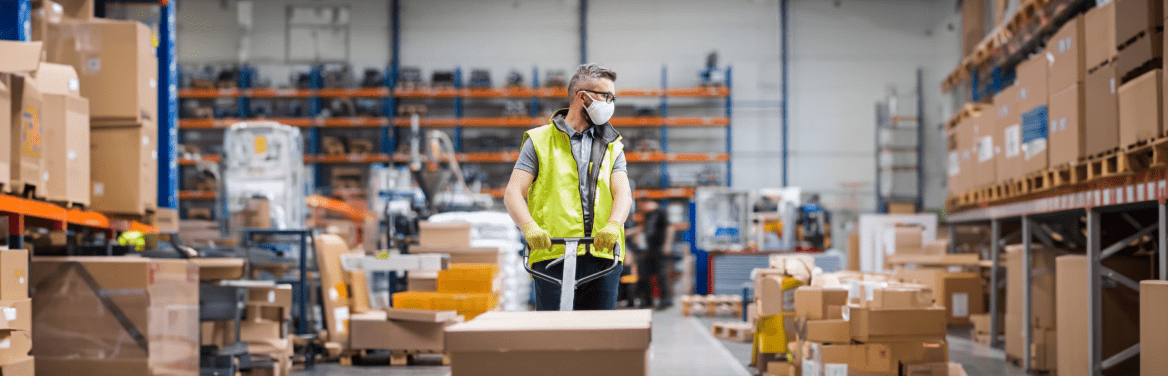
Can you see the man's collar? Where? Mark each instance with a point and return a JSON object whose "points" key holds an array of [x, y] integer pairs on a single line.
{"points": [[604, 131]]}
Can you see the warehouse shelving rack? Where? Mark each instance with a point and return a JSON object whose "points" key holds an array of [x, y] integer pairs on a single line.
{"points": [[889, 123]]}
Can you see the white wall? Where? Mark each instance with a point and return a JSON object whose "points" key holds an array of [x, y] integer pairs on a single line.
{"points": [[842, 59]]}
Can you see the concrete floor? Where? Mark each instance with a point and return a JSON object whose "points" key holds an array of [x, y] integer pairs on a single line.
{"points": [[684, 346]]}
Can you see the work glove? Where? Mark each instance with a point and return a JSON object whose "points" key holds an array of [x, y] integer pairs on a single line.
{"points": [[608, 236], [537, 238]]}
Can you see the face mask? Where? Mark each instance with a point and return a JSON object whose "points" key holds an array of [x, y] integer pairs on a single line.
{"points": [[600, 111]]}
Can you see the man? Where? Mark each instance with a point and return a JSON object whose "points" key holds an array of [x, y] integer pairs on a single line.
{"points": [[655, 260], [571, 180]]}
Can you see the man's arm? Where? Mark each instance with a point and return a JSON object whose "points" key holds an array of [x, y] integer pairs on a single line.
{"points": [[622, 197], [515, 197]]}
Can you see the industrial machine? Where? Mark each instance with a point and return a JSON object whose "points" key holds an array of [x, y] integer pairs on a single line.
{"points": [[264, 160]]}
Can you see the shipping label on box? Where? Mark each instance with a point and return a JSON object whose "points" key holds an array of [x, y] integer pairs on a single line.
{"points": [[1013, 143], [1034, 135]]}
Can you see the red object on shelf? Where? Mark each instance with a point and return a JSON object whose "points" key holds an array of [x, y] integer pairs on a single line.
{"points": [[197, 195]]}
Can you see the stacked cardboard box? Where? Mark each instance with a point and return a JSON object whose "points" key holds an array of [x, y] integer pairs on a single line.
{"points": [[1043, 348], [401, 329], [575, 343], [958, 138], [334, 291], [1100, 84], [1153, 333], [16, 325], [1033, 111], [1121, 319], [961, 294], [154, 329], [1007, 134], [1067, 74], [118, 74], [21, 144], [1138, 38]]}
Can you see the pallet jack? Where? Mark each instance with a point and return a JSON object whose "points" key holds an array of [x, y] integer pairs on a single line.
{"points": [[568, 283]]}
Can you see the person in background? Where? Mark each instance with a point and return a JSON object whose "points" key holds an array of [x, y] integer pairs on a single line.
{"points": [[657, 255]]}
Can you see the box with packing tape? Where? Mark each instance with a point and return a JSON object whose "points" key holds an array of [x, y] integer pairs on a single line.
{"points": [[401, 329]]}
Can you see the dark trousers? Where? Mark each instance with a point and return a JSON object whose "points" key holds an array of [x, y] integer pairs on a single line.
{"points": [[599, 294], [651, 265]]}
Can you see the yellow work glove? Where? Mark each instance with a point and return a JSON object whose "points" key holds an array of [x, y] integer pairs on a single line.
{"points": [[608, 236], [537, 238]]}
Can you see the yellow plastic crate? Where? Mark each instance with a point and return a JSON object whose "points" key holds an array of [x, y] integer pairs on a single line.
{"points": [[468, 278], [414, 300]]}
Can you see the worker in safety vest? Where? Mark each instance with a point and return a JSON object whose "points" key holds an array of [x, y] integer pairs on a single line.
{"points": [[571, 180]]}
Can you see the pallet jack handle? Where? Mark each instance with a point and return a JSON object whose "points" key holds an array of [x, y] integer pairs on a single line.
{"points": [[569, 283]]}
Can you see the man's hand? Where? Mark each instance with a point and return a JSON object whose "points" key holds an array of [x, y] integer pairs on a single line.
{"points": [[608, 236], [537, 238]]}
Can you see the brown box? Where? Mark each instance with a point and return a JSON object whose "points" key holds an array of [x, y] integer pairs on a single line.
{"points": [[1103, 114], [18, 345], [446, 234], [981, 145], [1121, 319], [896, 298], [13, 274], [957, 143], [1069, 57], [335, 294], [829, 331], [65, 123], [927, 369], [885, 358], [1032, 109], [1139, 108], [1138, 16], [17, 314], [468, 255], [270, 296], [813, 302], [124, 168], [1099, 36], [1008, 134], [256, 213], [155, 297], [27, 129], [576, 343], [1137, 54], [973, 24], [419, 280], [377, 330], [1068, 133], [15, 58], [771, 297], [962, 295], [902, 208], [908, 240], [1153, 332], [1042, 286], [937, 247], [117, 66], [219, 268], [165, 219], [882, 325], [19, 367], [420, 315]]}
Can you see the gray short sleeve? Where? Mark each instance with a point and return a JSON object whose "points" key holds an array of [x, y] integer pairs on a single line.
{"points": [[527, 159], [620, 164]]}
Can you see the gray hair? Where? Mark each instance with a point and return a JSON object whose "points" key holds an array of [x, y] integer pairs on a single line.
{"points": [[589, 72]]}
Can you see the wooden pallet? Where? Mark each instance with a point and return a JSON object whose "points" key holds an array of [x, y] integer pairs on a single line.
{"points": [[1068, 174], [1110, 164], [1146, 155], [732, 330], [967, 111], [397, 357], [711, 305]]}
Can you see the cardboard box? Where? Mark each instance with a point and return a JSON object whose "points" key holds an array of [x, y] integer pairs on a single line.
{"points": [[117, 65], [270, 296], [577, 343], [880, 325], [813, 302], [1099, 37], [1100, 91], [219, 268], [256, 213], [1153, 332], [973, 24], [1139, 108], [854, 241], [27, 152], [17, 314], [885, 358], [418, 280], [962, 295], [927, 369], [253, 330], [1138, 16], [829, 359], [981, 158], [465, 255], [1042, 288], [19, 344], [1068, 133], [19, 367], [1137, 54], [829, 331], [65, 123], [13, 274], [1121, 319], [1069, 57], [908, 240], [772, 298], [469, 278], [446, 234], [937, 247], [957, 138], [124, 168], [165, 219], [16, 58], [1032, 109], [896, 298], [159, 298], [335, 295], [902, 208], [1008, 134], [401, 330]]}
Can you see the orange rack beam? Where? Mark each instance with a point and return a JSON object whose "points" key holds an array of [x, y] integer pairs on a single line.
{"points": [[337, 206], [197, 195], [207, 93], [191, 162], [656, 194], [353, 93], [279, 93]]}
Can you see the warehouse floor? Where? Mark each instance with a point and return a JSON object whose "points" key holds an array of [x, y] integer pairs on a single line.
{"points": [[684, 346]]}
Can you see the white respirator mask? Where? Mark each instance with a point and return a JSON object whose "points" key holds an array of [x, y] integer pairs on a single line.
{"points": [[600, 111]]}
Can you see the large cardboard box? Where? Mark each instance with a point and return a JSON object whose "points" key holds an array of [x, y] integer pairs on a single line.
{"points": [[1121, 319], [962, 295], [1103, 114], [907, 240], [957, 139], [19, 367], [124, 168], [420, 280], [1068, 133], [829, 331], [15, 58], [814, 303], [401, 330], [1153, 332], [1032, 109], [981, 127], [1042, 288], [973, 24], [1068, 64], [1138, 16], [1008, 134], [881, 325], [576, 343], [66, 134], [1099, 37], [885, 358], [1137, 54], [117, 65], [27, 141], [13, 274], [445, 234], [465, 255], [335, 294], [1140, 115], [154, 297]]}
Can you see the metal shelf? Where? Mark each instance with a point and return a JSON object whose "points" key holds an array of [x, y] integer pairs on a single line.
{"points": [[490, 122], [512, 92]]}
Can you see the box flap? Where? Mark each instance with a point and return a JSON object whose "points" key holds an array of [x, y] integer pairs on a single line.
{"points": [[552, 330], [19, 57], [422, 315], [57, 79]]}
